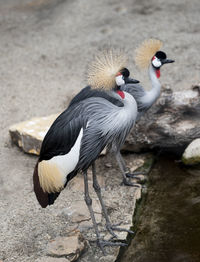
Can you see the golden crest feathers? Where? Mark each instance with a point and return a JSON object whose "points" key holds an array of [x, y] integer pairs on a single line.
{"points": [[103, 69], [145, 52]]}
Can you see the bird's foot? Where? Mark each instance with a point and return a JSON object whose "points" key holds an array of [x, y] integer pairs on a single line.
{"points": [[128, 183], [116, 228], [103, 243]]}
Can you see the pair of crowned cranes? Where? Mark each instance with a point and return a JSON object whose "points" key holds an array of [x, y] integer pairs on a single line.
{"points": [[100, 116]]}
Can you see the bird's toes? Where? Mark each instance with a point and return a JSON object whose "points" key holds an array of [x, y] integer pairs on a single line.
{"points": [[112, 233], [110, 230], [103, 243]]}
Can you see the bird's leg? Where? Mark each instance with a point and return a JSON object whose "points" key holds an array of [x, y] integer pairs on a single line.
{"points": [[88, 202], [97, 189], [127, 173], [101, 243], [123, 169]]}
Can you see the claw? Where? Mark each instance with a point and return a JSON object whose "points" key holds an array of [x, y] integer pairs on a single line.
{"points": [[103, 243], [115, 227]]}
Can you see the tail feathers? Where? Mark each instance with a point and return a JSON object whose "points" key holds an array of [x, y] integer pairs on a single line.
{"points": [[52, 197], [43, 198]]}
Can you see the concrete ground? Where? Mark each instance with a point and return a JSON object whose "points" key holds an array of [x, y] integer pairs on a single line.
{"points": [[45, 48]]}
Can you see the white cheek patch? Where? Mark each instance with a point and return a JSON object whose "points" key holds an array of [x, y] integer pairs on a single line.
{"points": [[156, 62], [119, 80]]}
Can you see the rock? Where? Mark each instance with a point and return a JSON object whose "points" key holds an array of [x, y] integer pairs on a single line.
{"points": [[70, 246], [108, 258], [170, 125], [78, 212], [108, 165], [191, 155], [29, 134], [52, 259]]}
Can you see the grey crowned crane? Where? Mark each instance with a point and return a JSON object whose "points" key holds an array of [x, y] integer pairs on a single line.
{"points": [[77, 137], [147, 55]]}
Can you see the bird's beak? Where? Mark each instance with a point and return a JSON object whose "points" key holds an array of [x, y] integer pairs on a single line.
{"points": [[167, 61], [129, 80]]}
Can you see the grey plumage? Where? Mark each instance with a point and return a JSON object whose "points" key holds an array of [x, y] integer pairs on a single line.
{"points": [[106, 124], [138, 92], [145, 99]]}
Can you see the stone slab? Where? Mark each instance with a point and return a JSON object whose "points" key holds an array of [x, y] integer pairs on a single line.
{"points": [[70, 246], [78, 212], [52, 259], [28, 135]]}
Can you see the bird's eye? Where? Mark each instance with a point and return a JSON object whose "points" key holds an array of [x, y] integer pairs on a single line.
{"points": [[156, 62], [119, 80]]}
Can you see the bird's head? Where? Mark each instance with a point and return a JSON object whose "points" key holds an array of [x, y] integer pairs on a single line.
{"points": [[122, 78], [148, 53], [108, 70], [160, 59]]}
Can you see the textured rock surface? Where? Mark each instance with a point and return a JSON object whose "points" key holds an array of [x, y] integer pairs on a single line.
{"points": [[29, 134], [52, 259], [108, 258], [170, 125], [191, 155], [78, 212], [70, 246]]}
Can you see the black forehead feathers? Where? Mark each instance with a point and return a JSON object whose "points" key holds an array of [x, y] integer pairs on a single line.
{"points": [[160, 55], [125, 72]]}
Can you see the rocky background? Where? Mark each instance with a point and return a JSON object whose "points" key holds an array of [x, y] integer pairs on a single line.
{"points": [[45, 49]]}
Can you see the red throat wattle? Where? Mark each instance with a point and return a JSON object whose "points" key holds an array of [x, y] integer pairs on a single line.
{"points": [[121, 93], [158, 73]]}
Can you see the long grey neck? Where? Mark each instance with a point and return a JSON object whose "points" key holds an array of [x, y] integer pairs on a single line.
{"points": [[154, 93]]}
